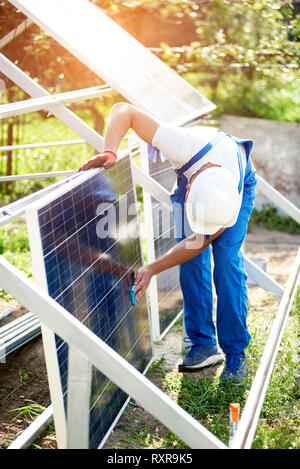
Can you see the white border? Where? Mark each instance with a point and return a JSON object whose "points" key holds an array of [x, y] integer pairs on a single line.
{"points": [[70, 434]]}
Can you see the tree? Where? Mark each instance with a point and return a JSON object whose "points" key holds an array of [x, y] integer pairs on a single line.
{"points": [[244, 55]]}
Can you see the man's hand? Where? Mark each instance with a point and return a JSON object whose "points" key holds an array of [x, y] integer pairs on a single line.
{"points": [[105, 160], [128, 279], [143, 277]]}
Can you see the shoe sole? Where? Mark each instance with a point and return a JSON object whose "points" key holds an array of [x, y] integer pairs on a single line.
{"points": [[209, 362]]}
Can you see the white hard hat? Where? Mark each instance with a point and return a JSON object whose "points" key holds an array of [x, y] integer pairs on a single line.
{"points": [[213, 201]]}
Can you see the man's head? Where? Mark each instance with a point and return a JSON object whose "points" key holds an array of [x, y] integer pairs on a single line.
{"points": [[211, 199]]}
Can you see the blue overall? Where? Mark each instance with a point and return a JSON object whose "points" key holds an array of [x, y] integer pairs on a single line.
{"points": [[229, 273]]}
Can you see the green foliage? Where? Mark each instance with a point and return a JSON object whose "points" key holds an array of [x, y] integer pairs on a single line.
{"points": [[28, 412], [14, 247], [244, 57], [269, 218]]}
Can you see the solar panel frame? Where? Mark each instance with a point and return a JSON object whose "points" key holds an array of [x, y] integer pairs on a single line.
{"points": [[136, 73], [56, 389], [170, 299], [166, 308]]}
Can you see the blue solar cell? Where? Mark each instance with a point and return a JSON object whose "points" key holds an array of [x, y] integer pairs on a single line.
{"points": [[169, 291], [91, 247]]}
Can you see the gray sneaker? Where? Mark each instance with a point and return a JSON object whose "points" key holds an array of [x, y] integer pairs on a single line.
{"points": [[201, 357], [235, 369]]}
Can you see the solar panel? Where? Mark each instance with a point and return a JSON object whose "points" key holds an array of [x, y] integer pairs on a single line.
{"points": [[122, 62], [169, 291], [90, 246]]}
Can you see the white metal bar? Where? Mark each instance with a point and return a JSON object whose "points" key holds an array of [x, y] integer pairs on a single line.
{"points": [[49, 341], [15, 209], [152, 187], [123, 63], [79, 392], [22, 177], [282, 202], [30, 146], [248, 422], [263, 279], [15, 32], [65, 115], [5, 313], [148, 214], [44, 102], [21, 339], [105, 359], [33, 431]]}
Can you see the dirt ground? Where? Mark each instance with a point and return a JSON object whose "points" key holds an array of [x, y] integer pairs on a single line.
{"points": [[23, 378]]}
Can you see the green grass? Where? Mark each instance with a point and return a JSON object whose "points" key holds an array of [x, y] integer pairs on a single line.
{"points": [[14, 247], [28, 412], [40, 160], [269, 218]]}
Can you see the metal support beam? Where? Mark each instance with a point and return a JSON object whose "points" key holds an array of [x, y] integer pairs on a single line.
{"points": [[248, 423], [79, 391], [115, 367], [30, 146], [23, 177], [262, 279], [280, 200], [65, 115], [15, 32], [152, 187], [45, 102]]}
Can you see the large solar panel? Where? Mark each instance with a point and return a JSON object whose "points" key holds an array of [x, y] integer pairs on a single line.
{"points": [[90, 245], [122, 62], [169, 291]]}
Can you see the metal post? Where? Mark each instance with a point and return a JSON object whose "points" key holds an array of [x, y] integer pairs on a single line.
{"points": [[247, 425]]}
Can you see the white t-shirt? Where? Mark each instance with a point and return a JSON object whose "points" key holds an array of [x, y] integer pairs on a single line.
{"points": [[179, 145]]}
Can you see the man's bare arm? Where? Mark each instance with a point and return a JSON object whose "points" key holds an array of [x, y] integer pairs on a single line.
{"points": [[182, 252], [122, 117]]}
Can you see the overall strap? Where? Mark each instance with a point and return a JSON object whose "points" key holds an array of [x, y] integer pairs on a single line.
{"points": [[248, 144], [240, 167], [201, 153]]}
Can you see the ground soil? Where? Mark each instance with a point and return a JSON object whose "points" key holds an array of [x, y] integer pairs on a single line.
{"points": [[23, 378]]}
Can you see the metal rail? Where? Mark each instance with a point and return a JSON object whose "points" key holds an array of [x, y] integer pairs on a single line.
{"points": [[248, 423]]}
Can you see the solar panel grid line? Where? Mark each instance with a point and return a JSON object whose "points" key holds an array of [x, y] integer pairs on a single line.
{"points": [[71, 284], [47, 334], [125, 359], [84, 271], [115, 367], [110, 313]]}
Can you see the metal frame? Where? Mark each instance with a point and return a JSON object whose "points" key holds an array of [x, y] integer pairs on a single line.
{"points": [[247, 425], [65, 115], [136, 73], [37, 104], [15, 32], [90, 349], [116, 368], [74, 430], [41, 144]]}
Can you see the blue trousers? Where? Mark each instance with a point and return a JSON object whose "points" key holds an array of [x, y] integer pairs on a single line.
{"points": [[229, 277]]}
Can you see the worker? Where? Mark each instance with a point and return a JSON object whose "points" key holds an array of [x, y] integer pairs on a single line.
{"points": [[212, 202]]}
